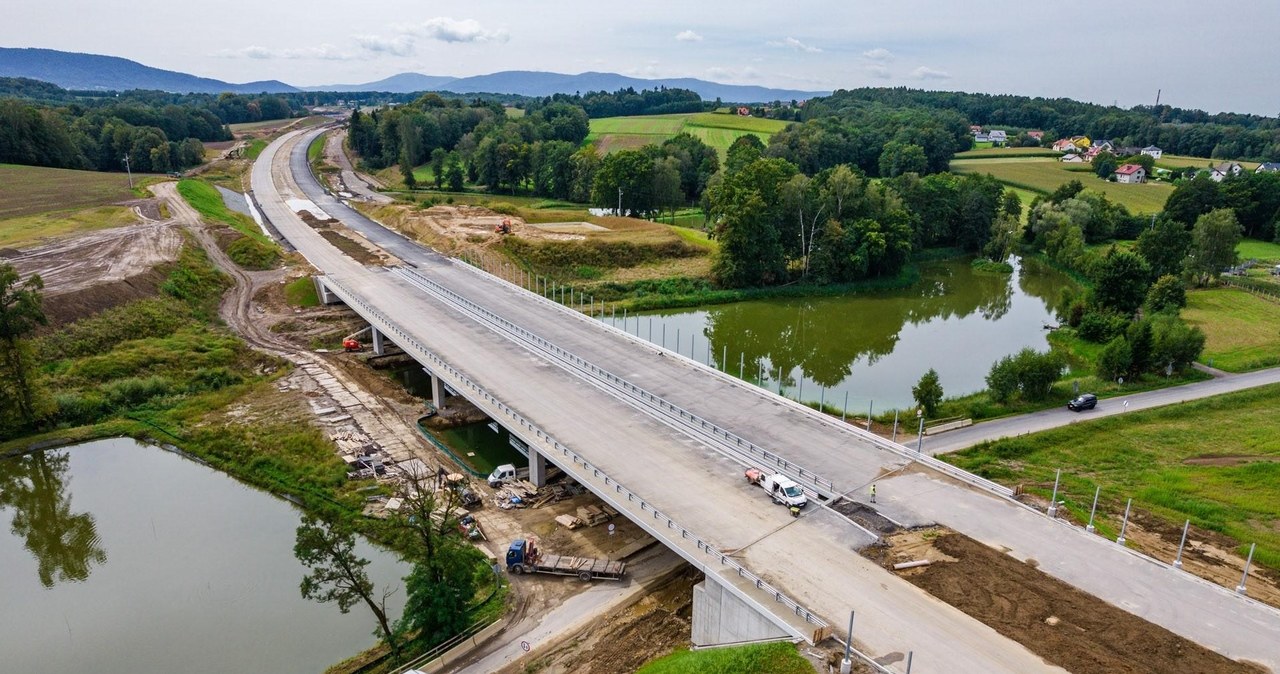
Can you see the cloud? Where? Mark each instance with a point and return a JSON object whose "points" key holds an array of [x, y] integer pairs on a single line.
{"points": [[323, 52], [401, 45], [927, 73], [878, 71], [446, 29], [688, 36], [792, 43], [878, 54]]}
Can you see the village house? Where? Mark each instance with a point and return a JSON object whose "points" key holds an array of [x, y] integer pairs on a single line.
{"points": [[1081, 142], [981, 138], [1153, 151], [1227, 169], [1038, 135], [997, 136], [1065, 145], [1131, 173], [1072, 158], [1268, 167], [1103, 145], [975, 129]]}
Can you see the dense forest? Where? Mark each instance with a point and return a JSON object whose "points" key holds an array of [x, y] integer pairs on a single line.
{"points": [[1175, 130], [44, 125], [629, 102]]}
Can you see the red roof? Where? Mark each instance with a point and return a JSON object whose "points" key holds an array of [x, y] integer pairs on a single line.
{"points": [[1129, 168]]}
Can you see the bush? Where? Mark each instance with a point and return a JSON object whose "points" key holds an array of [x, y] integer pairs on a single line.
{"points": [[1168, 293], [1028, 373], [983, 264], [504, 208], [252, 254], [1174, 343], [928, 392], [1115, 359], [134, 391], [1101, 327]]}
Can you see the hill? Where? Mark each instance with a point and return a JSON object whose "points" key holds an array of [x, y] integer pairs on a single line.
{"points": [[536, 83], [71, 70]]}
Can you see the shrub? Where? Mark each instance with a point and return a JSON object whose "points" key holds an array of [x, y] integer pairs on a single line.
{"points": [[134, 391], [252, 254], [1174, 343], [504, 208], [1168, 293], [1029, 373], [1114, 360], [1101, 327]]}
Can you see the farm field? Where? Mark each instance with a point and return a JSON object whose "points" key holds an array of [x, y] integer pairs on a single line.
{"points": [[1004, 152], [1045, 175], [1214, 461], [1171, 161], [28, 190], [611, 134], [1242, 329], [1262, 251]]}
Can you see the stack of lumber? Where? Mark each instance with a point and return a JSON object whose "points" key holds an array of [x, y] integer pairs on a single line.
{"points": [[592, 515], [568, 521]]}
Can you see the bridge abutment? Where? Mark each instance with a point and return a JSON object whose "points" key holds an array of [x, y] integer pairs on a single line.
{"points": [[720, 618], [322, 292]]}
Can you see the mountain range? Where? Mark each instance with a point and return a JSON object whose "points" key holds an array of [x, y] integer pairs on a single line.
{"points": [[72, 70]]}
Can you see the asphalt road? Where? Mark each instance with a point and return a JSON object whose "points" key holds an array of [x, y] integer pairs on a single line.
{"points": [[959, 439], [811, 559]]}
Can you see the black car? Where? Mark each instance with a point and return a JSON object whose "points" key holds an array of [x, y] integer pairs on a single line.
{"points": [[1085, 401]]}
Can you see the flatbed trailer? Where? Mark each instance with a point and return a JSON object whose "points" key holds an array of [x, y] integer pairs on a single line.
{"points": [[525, 557]]}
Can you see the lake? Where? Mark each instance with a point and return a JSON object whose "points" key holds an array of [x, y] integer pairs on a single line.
{"points": [[870, 348], [121, 557]]}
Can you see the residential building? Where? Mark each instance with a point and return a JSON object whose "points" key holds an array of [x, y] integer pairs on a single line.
{"points": [[1104, 145], [1081, 142], [1038, 135], [981, 138], [1072, 158], [997, 136], [1131, 173], [1065, 145], [1268, 167], [1153, 151], [1227, 169]]}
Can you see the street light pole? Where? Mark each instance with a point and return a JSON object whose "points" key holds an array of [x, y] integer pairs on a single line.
{"points": [[920, 431]]}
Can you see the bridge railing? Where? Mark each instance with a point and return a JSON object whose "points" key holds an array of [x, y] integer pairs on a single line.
{"points": [[405, 341], [805, 477]]}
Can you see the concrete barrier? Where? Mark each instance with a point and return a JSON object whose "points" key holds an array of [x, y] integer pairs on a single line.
{"points": [[951, 426], [440, 662]]}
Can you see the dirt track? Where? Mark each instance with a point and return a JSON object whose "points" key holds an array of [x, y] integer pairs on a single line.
{"points": [[1065, 626], [104, 256]]}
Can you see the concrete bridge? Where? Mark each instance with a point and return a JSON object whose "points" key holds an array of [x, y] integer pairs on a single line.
{"points": [[664, 440]]}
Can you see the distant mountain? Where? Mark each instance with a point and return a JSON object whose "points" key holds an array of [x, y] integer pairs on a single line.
{"points": [[71, 70], [534, 83]]}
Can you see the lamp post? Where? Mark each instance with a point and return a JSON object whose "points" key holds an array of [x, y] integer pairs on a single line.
{"points": [[920, 431]]}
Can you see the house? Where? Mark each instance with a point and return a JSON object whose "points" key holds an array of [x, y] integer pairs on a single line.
{"points": [[975, 129], [1227, 169], [744, 111], [1081, 142], [1269, 167], [1092, 153], [1131, 173], [998, 136], [1152, 151], [1126, 151], [981, 138], [1105, 145], [1072, 158], [1065, 145], [1038, 135]]}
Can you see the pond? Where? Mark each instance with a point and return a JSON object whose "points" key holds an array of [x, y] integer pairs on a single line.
{"points": [[870, 348], [121, 558]]}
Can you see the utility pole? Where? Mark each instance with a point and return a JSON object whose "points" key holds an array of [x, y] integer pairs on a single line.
{"points": [[128, 170], [619, 201]]}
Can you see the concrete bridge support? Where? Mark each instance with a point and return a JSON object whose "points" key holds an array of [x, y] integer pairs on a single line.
{"points": [[323, 293], [379, 348], [537, 468], [720, 618], [438, 392]]}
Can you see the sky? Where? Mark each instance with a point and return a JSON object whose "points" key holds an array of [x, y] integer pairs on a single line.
{"points": [[1213, 56]]}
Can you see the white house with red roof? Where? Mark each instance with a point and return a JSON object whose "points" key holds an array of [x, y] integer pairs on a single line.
{"points": [[1131, 173]]}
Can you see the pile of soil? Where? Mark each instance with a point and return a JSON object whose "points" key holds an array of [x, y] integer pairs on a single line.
{"points": [[1065, 626]]}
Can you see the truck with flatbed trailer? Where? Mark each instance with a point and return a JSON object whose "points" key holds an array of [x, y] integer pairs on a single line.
{"points": [[524, 557]]}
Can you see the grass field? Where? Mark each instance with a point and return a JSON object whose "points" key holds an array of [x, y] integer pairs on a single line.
{"points": [[989, 152], [1171, 161], [254, 148], [28, 190], [1145, 455], [1262, 251], [611, 134], [1044, 175], [1243, 330], [776, 658]]}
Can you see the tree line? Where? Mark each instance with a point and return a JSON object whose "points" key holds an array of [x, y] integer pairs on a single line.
{"points": [[629, 102]]}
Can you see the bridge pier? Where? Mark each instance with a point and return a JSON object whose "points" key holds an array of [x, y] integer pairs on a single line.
{"points": [[438, 394], [537, 468], [322, 291], [379, 349], [720, 618]]}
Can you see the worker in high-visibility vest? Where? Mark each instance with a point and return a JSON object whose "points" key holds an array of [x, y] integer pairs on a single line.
{"points": [[873, 492]]}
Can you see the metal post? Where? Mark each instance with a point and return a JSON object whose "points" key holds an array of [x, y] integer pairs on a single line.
{"points": [[1177, 562], [920, 435], [724, 358], [822, 399], [779, 380], [1092, 511], [742, 364], [870, 407], [1247, 563], [677, 341], [664, 335], [909, 658], [800, 391], [651, 329], [846, 665], [613, 317], [844, 414], [1125, 524], [1053, 500], [624, 319], [895, 426]]}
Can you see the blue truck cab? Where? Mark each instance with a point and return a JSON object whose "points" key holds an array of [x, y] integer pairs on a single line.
{"points": [[515, 554]]}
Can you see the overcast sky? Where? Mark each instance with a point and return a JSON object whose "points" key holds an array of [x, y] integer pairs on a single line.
{"points": [[1214, 56]]}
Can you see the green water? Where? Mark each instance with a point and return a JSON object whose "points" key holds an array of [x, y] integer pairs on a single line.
{"points": [[870, 349], [479, 446], [120, 558]]}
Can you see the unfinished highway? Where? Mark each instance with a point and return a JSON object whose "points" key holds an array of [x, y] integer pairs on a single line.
{"points": [[603, 406]]}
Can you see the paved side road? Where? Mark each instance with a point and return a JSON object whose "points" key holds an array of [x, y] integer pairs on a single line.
{"points": [[956, 440]]}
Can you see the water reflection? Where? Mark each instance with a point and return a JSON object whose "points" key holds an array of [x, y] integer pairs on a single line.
{"points": [[64, 543]]}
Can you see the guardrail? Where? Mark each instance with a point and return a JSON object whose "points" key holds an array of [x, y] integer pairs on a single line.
{"points": [[617, 490], [813, 482]]}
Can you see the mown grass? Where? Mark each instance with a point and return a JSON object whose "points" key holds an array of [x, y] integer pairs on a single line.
{"points": [[30, 190], [254, 148], [316, 149], [1002, 152], [1046, 175], [1262, 251], [718, 130], [30, 229], [1242, 329], [301, 292], [775, 658], [253, 249], [1172, 161], [1143, 455]]}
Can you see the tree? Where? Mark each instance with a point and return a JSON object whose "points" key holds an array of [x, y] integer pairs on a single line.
{"points": [[1193, 199], [1174, 343], [337, 573], [1115, 359], [20, 313], [453, 173], [1141, 345], [1030, 373], [437, 166], [1164, 246], [406, 172], [1121, 280], [1167, 293], [1213, 244], [899, 158], [928, 392], [744, 150]]}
